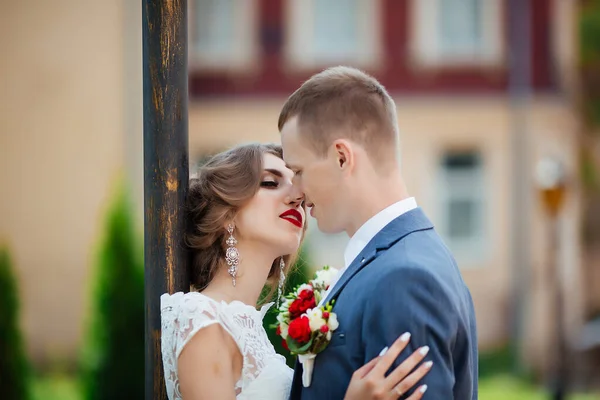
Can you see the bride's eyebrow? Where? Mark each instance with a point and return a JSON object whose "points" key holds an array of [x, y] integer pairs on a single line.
{"points": [[274, 172]]}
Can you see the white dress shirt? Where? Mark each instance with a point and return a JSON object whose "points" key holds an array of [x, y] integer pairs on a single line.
{"points": [[368, 231]]}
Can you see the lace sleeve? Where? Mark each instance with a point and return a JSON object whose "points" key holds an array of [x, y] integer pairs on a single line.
{"points": [[182, 316]]}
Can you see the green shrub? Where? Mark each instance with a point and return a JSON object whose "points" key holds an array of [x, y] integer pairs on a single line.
{"points": [[113, 357], [589, 51], [298, 275], [14, 369]]}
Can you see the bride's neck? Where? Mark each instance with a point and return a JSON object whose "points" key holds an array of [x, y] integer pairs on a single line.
{"points": [[252, 274]]}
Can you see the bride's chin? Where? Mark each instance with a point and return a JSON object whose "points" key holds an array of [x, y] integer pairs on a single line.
{"points": [[289, 248]]}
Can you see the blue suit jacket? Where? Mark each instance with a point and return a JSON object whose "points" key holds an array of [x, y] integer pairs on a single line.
{"points": [[405, 280]]}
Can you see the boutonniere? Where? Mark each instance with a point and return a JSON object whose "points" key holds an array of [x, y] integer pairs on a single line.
{"points": [[305, 327]]}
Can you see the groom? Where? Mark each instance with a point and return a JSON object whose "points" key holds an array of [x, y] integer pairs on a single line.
{"points": [[339, 132]]}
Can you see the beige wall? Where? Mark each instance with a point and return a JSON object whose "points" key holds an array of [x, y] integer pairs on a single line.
{"points": [[61, 148]]}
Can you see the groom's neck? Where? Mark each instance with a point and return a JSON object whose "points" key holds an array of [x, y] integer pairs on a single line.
{"points": [[378, 193]]}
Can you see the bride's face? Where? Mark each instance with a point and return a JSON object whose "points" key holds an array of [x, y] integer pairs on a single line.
{"points": [[275, 215]]}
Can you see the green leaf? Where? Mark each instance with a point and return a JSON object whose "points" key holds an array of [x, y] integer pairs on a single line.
{"points": [[317, 296], [296, 347]]}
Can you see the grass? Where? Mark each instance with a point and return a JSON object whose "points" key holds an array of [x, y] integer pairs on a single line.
{"points": [[504, 387], [500, 387], [56, 387]]}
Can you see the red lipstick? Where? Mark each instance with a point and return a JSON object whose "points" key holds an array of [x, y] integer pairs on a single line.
{"points": [[292, 216]]}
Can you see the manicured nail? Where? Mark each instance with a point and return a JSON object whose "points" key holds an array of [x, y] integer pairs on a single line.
{"points": [[423, 389], [424, 350], [405, 337], [428, 364], [385, 349]]}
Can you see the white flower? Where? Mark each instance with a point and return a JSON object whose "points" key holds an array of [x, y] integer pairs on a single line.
{"points": [[285, 305], [315, 319], [332, 322], [284, 331], [329, 336], [324, 277], [282, 317]]}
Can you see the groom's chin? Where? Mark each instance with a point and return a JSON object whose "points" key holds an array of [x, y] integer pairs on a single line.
{"points": [[327, 228]]}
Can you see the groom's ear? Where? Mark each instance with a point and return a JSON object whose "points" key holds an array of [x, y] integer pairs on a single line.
{"points": [[344, 154]]}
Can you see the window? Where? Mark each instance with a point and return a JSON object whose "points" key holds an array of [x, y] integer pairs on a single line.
{"points": [[455, 32], [325, 32], [223, 34], [462, 222]]}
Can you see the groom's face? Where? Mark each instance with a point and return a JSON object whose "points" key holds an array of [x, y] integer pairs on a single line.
{"points": [[316, 176]]}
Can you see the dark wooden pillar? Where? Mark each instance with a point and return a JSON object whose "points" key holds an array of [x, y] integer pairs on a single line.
{"points": [[166, 170]]}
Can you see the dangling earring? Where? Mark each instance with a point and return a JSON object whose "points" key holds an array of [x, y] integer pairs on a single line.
{"points": [[281, 281], [232, 255]]}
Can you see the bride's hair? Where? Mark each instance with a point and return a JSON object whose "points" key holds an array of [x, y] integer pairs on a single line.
{"points": [[220, 188]]}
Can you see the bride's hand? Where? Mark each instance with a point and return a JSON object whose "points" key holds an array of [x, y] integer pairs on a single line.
{"points": [[370, 382]]}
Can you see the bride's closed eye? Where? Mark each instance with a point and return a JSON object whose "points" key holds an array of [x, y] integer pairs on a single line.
{"points": [[269, 184]]}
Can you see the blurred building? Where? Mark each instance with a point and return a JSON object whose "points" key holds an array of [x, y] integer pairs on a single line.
{"points": [[72, 119]]}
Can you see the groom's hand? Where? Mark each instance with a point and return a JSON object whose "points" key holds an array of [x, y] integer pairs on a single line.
{"points": [[370, 381]]}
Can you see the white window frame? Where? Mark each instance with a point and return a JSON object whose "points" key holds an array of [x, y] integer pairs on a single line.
{"points": [[424, 45], [471, 250], [299, 41], [244, 54]]}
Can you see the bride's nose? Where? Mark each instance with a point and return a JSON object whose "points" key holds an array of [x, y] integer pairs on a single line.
{"points": [[295, 197]]}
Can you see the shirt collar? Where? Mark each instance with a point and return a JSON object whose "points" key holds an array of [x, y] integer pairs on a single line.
{"points": [[376, 223]]}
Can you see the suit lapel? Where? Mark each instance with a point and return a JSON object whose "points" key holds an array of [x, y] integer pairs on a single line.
{"points": [[412, 221]]}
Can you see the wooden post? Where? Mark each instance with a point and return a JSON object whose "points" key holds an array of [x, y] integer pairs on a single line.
{"points": [[519, 13], [166, 168]]}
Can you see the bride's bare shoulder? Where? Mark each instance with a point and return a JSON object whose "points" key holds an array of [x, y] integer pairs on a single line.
{"points": [[209, 361]]}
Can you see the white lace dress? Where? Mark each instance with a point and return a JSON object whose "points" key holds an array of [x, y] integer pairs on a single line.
{"points": [[265, 375]]}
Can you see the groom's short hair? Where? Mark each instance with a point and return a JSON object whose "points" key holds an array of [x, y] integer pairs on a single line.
{"points": [[344, 102]]}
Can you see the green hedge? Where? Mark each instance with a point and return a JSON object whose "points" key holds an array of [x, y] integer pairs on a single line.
{"points": [[14, 368], [113, 356], [589, 39]]}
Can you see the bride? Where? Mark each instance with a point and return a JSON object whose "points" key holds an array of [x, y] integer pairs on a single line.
{"points": [[247, 223]]}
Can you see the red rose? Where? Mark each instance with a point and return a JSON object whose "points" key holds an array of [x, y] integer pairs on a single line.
{"points": [[284, 344], [299, 330], [299, 306], [308, 304], [278, 331], [306, 294], [295, 309], [324, 329], [325, 315]]}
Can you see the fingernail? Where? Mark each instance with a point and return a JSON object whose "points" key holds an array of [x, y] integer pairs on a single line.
{"points": [[405, 337], [385, 349], [424, 350], [428, 364], [423, 389]]}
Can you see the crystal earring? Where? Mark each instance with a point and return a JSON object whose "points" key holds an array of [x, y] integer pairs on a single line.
{"points": [[232, 255], [281, 281]]}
